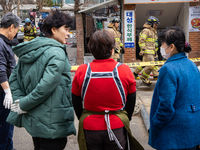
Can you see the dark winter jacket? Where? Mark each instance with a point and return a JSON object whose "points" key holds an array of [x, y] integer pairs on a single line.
{"points": [[7, 59], [42, 82]]}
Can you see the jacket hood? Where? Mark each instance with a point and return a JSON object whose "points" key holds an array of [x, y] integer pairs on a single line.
{"points": [[30, 51]]}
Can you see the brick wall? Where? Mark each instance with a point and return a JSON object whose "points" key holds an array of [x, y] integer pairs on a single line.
{"points": [[194, 40], [89, 26], [130, 53], [80, 38]]}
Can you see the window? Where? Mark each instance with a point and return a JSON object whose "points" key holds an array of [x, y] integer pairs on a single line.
{"points": [[96, 1], [69, 1], [57, 1]]}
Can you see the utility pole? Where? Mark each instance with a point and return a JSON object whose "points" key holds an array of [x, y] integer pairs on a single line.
{"points": [[18, 12]]}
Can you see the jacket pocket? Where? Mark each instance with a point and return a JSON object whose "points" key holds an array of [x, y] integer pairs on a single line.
{"points": [[193, 107]]}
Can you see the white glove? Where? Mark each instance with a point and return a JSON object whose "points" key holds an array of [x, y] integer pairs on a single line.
{"points": [[8, 99], [16, 108]]}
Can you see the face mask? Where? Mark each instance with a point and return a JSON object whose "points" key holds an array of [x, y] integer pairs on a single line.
{"points": [[163, 53]]}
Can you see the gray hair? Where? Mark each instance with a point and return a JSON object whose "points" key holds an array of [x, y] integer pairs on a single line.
{"points": [[8, 19]]}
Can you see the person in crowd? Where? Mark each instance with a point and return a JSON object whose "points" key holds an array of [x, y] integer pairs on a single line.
{"points": [[148, 44], [103, 95], [174, 115], [40, 23], [29, 30], [9, 28], [113, 27], [33, 22], [41, 86]]}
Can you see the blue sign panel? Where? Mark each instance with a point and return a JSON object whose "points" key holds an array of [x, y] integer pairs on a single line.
{"points": [[129, 45]]}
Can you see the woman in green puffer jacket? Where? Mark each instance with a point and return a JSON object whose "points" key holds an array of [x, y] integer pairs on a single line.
{"points": [[41, 86]]}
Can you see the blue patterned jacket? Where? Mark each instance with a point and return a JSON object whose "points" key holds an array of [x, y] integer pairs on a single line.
{"points": [[175, 108]]}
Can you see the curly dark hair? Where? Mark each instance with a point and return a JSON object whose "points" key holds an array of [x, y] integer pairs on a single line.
{"points": [[101, 44], [56, 19]]}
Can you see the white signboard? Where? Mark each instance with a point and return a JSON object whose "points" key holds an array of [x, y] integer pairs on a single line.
{"points": [[129, 22], [157, 1], [194, 19]]}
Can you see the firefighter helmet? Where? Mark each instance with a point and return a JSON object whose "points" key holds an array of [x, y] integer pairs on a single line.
{"points": [[27, 20], [114, 19], [151, 20]]}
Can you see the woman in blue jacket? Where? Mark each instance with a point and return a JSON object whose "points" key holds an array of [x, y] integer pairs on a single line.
{"points": [[175, 108]]}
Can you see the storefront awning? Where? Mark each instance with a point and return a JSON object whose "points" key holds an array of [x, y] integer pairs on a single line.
{"points": [[99, 6], [157, 1]]}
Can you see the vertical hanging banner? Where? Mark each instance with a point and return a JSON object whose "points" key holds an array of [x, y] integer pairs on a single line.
{"points": [[129, 34], [194, 19]]}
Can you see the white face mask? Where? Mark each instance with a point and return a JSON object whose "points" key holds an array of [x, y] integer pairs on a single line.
{"points": [[163, 53]]}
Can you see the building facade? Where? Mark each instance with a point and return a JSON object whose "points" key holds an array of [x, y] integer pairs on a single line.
{"points": [[169, 12]]}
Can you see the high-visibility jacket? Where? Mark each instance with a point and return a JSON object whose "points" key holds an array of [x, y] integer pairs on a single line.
{"points": [[148, 40], [117, 35], [29, 32]]}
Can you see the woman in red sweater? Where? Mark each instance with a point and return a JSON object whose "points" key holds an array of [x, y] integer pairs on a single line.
{"points": [[103, 95]]}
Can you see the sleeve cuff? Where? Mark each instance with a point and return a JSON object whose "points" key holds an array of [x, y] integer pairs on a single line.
{"points": [[3, 79]]}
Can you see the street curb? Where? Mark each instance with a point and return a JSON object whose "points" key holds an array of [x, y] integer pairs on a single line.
{"points": [[145, 117]]}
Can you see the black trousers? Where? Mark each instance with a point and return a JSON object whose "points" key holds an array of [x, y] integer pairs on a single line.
{"points": [[99, 140], [6, 129], [49, 144]]}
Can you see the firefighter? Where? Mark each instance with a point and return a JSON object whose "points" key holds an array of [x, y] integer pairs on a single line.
{"points": [[29, 30], [113, 28], [148, 43]]}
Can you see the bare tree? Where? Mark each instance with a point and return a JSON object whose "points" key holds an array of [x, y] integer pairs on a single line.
{"points": [[27, 2], [76, 6], [7, 5], [89, 3], [39, 4]]}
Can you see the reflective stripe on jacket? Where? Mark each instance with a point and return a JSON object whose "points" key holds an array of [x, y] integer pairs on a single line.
{"points": [[148, 39], [117, 36]]}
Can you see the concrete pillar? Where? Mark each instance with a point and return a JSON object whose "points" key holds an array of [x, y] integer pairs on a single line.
{"points": [[80, 38], [130, 53]]}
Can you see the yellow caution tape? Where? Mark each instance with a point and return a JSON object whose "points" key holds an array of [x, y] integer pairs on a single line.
{"points": [[74, 68], [136, 64]]}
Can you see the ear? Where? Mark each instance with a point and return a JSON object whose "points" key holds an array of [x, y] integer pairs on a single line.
{"points": [[172, 46], [112, 51], [11, 27], [53, 30]]}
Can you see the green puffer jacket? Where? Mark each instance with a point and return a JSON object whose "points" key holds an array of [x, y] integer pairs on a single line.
{"points": [[42, 82]]}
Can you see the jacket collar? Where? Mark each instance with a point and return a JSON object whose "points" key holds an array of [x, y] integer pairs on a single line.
{"points": [[150, 28], [176, 57], [104, 60], [6, 40]]}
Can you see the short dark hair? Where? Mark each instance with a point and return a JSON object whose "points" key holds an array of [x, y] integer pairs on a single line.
{"points": [[8, 19], [101, 44], [56, 19], [174, 35]]}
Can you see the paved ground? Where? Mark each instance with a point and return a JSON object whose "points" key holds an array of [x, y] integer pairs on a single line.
{"points": [[23, 141]]}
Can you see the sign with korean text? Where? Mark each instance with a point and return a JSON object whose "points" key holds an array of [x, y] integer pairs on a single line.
{"points": [[194, 19], [129, 33], [157, 1]]}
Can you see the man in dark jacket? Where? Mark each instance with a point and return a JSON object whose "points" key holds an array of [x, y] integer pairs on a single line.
{"points": [[9, 28]]}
